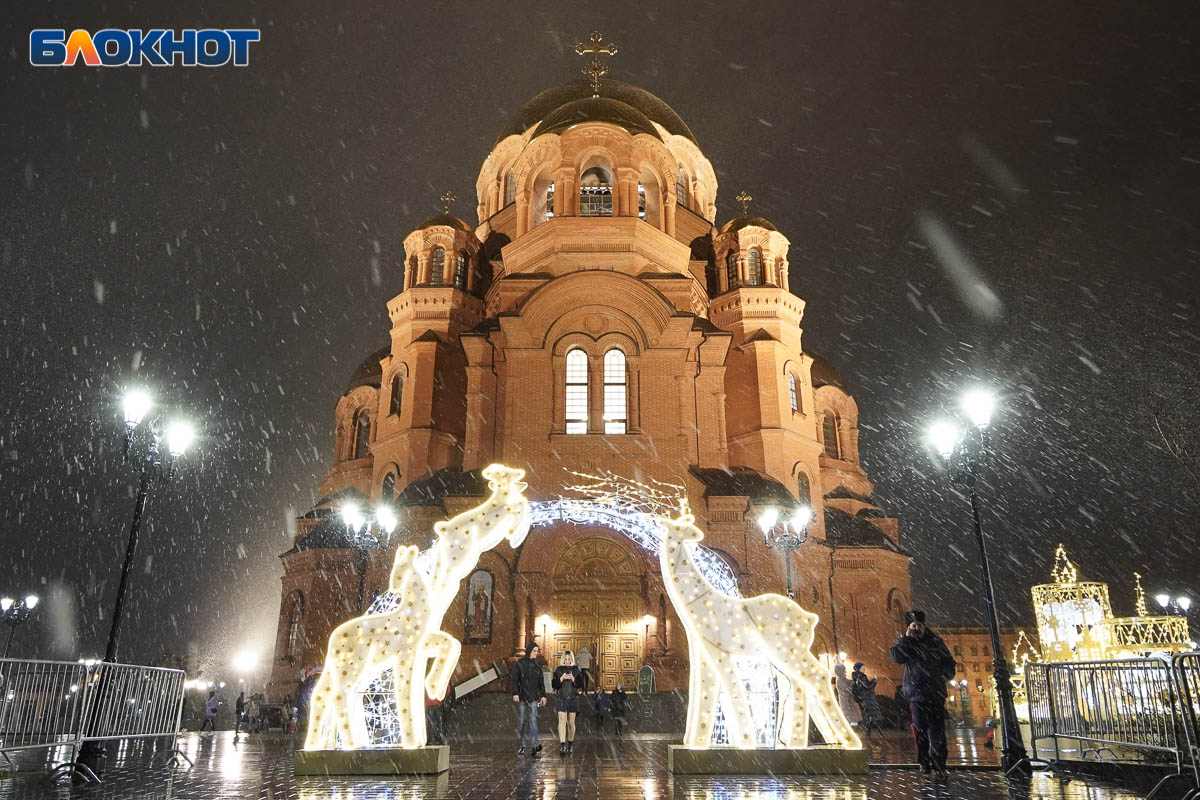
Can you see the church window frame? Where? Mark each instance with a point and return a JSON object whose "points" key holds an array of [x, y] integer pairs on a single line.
{"points": [[754, 267], [683, 194], [731, 271], [387, 487], [437, 266], [829, 435], [361, 442], [616, 392], [461, 271], [794, 392], [804, 489], [596, 191], [510, 188], [575, 405], [396, 400], [295, 619]]}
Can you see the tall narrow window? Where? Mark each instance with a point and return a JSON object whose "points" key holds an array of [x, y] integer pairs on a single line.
{"points": [[615, 397], [682, 194], [510, 188], [829, 432], [595, 193], [437, 267], [731, 271], [577, 392], [460, 271], [362, 434], [641, 201], [388, 493], [793, 391], [550, 202], [804, 490], [295, 614], [754, 267], [397, 400]]}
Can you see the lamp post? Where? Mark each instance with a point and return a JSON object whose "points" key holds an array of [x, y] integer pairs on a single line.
{"points": [[794, 534], [16, 612], [1178, 606], [359, 525], [145, 441], [966, 452], [545, 620]]}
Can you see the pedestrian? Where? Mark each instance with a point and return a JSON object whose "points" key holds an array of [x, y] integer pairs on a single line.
{"points": [[239, 711], [434, 721], [864, 694], [529, 693], [903, 717], [927, 666], [254, 713], [845, 694], [210, 712], [600, 703], [619, 704], [584, 660], [566, 682]]}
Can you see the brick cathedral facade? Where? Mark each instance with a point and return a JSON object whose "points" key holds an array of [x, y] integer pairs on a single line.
{"points": [[597, 318]]}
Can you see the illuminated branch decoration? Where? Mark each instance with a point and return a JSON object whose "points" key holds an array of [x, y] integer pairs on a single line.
{"points": [[654, 499], [725, 633], [400, 636]]}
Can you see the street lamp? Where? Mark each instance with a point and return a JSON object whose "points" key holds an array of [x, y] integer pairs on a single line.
{"points": [[966, 451], [16, 612], [794, 534], [383, 518], [145, 440], [545, 620], [1174, 605]]}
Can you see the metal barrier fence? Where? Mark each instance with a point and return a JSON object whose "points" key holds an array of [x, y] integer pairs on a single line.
{"points": [[1149, 705], [53, 704]]}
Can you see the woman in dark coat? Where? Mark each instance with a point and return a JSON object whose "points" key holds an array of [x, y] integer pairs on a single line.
{"points": [[864, 694], [566, 682]]}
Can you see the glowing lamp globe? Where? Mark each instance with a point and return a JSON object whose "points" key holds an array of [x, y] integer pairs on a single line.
{"points": [[6, 603], [1163, 599], [244, 662], [1185, 603], [978, 405], [179, 437], [385, 518], [352, 515], [31, 601], [801, 518], [137, 404], [647, 619], [767, 519], [944, 438]]}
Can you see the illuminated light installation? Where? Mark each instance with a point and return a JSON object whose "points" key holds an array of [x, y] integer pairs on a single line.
{"points": [[727, 635], [389, 648], [1067, 610]]}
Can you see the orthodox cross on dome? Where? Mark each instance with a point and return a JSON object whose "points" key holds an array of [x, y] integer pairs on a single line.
{"points": [[743, 200], [597, 69], [447, 201]]}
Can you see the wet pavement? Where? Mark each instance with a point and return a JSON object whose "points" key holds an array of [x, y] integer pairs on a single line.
{"points": [[259, 767]]}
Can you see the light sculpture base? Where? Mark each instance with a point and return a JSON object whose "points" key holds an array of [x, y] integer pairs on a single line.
{"points": [[732, 761], [368, 761]]}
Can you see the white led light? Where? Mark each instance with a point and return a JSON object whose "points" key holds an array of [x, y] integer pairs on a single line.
{"points": [[137, 403], [352, 515], [978, 405], [944, 438], [728, 637], [377, 669], [179, 437]]}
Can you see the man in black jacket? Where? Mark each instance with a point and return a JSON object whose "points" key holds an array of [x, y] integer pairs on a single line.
{"points": [[529, 693], [927, 666]]}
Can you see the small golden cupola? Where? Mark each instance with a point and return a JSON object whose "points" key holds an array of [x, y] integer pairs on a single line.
{"points": [[443, 252], [750, 252]]}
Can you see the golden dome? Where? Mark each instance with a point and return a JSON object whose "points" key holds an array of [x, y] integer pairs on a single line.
{"points": [[445, 219], [596, 109], [737, 223], [551, 100]]}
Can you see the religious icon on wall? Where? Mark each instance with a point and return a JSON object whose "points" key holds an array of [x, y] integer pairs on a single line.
{"points": [[477, 627]]}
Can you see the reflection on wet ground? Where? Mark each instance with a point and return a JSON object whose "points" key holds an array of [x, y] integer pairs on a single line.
{"points": [[260, 767]]}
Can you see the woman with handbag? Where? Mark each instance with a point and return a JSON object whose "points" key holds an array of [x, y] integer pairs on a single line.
{"points": [[566, 682]]}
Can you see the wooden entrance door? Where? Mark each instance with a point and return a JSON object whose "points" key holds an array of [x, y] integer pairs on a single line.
{"points": [[605, 624]]}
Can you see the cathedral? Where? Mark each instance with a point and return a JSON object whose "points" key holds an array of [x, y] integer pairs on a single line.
{"points": [[598, 320]]}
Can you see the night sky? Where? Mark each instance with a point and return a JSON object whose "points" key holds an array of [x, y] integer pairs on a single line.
{"points": [[229, 238]]}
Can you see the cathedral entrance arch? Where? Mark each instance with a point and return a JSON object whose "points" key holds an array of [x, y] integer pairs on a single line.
{"points": [[597, 606]]}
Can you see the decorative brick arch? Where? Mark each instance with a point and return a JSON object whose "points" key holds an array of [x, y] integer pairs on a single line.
{"points": [[598, 558], [556, 298]]}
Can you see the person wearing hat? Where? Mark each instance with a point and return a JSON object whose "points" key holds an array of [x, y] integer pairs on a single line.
{"points": [[863, 689], [529, 693], [927, 666]]}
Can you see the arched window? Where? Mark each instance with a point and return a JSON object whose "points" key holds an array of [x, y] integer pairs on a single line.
{"points": [[829, 432], [510, 188], [362, 434], [595, 193], [388, 492], [577, 392], [731, 271], [397, 400], [641, 201], [682, 194], [804, 490], [295, 614], [437, 267], [754, 267], [615, 395], [460, 271], [793, 391]]}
